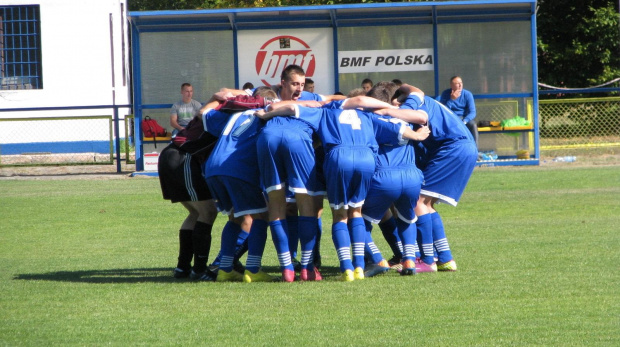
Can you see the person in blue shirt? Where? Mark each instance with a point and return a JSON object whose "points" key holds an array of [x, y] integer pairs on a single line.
{"points": [[349, 139], [397, 182], [461, 102], [447, 160], [236, 187], [285, 229]]}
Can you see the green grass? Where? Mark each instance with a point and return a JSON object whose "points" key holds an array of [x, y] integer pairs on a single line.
{"points": [[88, 262]]}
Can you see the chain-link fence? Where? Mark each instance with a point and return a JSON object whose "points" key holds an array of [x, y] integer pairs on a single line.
{"points": [[567, 127], [579, 124], [70, 140]]}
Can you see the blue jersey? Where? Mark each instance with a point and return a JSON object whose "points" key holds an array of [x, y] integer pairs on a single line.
{"points": [[310, 96], [337, 127], [444, 125], [385, 130], [235, 152], [349, 140], [401, 155], [280, 124]]}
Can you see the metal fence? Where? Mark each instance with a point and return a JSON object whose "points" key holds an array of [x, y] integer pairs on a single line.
{"points": [[565, 126], [579, 123], [67, 140]]}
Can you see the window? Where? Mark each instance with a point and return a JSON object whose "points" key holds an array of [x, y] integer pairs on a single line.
{"points": [[20, 47]]}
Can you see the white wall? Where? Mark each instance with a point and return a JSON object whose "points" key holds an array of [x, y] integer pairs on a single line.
{"points": [[76, 58]]}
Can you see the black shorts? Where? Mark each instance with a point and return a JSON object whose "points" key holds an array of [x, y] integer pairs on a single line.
{"points": [[180, 176]]}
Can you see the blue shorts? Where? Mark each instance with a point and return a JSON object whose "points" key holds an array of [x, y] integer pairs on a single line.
{"points": [[232, 194], [447, 171], [317, 177], [286, 158], [350, 171], [398, 186]]}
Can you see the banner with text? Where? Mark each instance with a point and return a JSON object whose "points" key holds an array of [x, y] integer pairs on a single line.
{"points": [[386, 60], [263, 54]]}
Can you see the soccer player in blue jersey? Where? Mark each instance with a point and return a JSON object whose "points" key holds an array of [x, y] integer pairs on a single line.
{"points": [[236, 187], [287, 228], [349, 142], [396, 182], [447, 161], [286, 158]]}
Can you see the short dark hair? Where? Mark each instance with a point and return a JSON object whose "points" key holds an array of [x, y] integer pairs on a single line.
{"points": [[356, 92], [185, 85], [367, 80], [397, 82], [248, 85], [309, 81], [292, 70], [383, 91]]}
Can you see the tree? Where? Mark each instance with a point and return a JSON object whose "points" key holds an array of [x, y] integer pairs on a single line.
{"points": [[578, 42], [153, 5]]}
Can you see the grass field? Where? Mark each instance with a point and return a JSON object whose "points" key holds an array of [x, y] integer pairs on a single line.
{"points": [[88, 262]]}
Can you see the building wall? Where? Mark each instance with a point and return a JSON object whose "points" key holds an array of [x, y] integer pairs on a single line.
{"points": [[85, 62], [76, 57]]}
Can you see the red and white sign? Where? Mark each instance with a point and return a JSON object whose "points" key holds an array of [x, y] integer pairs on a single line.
{"points": [[263, 54], [150, 161]]}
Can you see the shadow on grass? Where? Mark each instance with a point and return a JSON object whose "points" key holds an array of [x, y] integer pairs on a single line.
{"points": [[142, 275], [159, 275]]}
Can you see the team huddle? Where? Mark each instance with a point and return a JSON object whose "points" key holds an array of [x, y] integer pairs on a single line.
{"points": [[268, 160]]}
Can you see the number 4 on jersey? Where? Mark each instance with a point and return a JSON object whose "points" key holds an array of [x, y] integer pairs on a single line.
{"points": [[350, 117]]}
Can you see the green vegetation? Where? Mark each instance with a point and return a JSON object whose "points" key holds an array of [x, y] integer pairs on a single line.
{"points": [[88, 262]]}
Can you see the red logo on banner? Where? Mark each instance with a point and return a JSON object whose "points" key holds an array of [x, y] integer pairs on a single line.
{"points": [[278, 53]]}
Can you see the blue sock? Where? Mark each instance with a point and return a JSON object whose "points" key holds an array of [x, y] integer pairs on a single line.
{"points": [[280, 241], [256, 245], [388, 228], [407, 233], [229, 237], [342, 242], [370, 249], [235, 228], [439, 239], [292, 229], [358, 240], [307, 236], [424, 226], [241, 242]]}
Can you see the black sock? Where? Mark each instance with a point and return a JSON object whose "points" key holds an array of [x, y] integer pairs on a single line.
{"points": [[201, 236], [239, 252], [388, 229], [186, 249]]}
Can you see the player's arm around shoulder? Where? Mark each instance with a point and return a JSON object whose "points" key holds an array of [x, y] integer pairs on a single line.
{"points": [[420, 134], [284, 110], [365, 102], [407, 115]]}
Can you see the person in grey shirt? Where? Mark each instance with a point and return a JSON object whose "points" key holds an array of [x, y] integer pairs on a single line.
{"points": [[184, 111]]}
